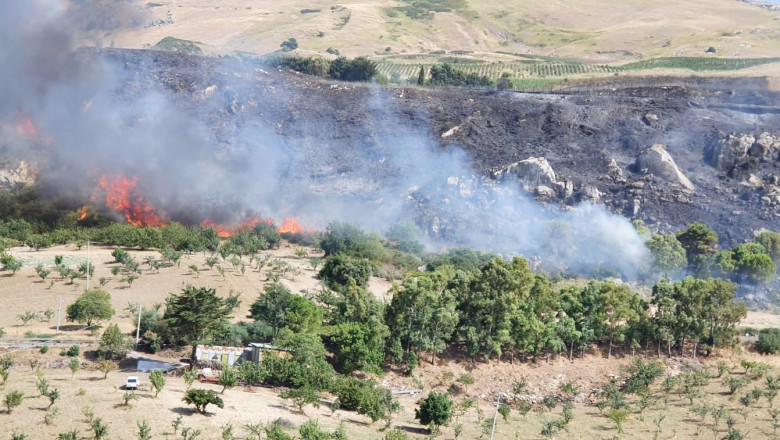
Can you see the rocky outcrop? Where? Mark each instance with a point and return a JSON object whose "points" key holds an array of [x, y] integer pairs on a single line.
{"points": [[727, 151], [537, 177], [733, 149], [21, 173], [532, 172], [657, 161], [613, 170], [772, 197]]}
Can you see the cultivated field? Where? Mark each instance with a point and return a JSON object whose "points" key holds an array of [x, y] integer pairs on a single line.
{"points": [[453, 374]]}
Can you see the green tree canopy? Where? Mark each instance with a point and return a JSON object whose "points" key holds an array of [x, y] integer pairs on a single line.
{"points": [[423, 313], [436, 409], [201, 398], [272, 307], [341, 268], [195, 314], [668, 254], [93, 305], [771, 242], [446, 75], [699, 242], [306, 366], [113, 344], [359, 346], [491, 302]]}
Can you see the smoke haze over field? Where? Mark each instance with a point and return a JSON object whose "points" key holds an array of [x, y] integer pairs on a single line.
{"points": [[190, 167]]}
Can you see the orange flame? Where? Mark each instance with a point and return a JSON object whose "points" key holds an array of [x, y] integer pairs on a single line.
{"points": [[83, 213], [292, 225], [121, 196], [226, 231], [25, 127]]}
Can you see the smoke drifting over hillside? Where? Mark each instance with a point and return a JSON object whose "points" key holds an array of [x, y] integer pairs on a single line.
{"points": [[214, 153]]}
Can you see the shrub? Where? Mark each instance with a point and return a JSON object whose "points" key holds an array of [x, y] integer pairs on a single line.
{"points": [[365, 397], [768, 341], [289, 45], [436, 409], [466, 379], [641, 375], [340, 268], [45, 349], [12, 400], [201, 398], [446, 75]]}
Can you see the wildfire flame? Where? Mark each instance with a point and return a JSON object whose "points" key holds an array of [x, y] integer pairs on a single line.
{"points": [[121, 196], [25, 127], [292, 225], [226, 231]]}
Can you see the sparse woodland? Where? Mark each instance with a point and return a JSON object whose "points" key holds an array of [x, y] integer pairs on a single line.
{"points": [[671, 334]]}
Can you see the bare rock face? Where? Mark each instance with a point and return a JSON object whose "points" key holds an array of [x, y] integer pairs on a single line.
{"points": [[591, 193], [613, 169], [532, 172], [764, 146], [18, 174], [772, 197], [656, 160], [729, 150]]}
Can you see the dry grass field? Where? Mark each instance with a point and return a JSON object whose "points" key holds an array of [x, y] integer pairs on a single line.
{"points": [[588, 30], [24, 291]]}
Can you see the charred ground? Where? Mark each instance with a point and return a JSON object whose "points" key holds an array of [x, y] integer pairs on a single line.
{"points": [[340, 133]]}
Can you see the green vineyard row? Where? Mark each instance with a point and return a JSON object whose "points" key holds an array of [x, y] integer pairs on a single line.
{"points": [[398, 72]]}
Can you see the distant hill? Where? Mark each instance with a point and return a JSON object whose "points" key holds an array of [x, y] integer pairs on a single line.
{"points": [[593, 31]]}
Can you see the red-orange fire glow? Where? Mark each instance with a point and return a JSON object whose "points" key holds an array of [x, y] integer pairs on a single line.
{"points": [[226, 231], [83, 213], [25, 127], [121, 196], [292, 225]]}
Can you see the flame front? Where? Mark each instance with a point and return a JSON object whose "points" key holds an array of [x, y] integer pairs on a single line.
{"points": [[226, 231], [121, 196], [292, 225], [83, 213]]}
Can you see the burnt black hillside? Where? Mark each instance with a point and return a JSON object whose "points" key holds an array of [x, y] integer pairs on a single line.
{"points": [[723, 135]]}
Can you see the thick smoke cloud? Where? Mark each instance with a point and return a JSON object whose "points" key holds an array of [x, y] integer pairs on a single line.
{"points": [[191, 170]]}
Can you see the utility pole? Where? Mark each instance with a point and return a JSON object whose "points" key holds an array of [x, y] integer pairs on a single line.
{"points": [[88, 264], [495, 416], [138, 326], [59, 312]]}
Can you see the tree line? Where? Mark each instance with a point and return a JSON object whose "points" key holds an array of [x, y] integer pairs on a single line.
{"points": [[694, 251]]}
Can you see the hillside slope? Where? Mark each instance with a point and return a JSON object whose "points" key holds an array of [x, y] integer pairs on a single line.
{"points": [[590, 30]]}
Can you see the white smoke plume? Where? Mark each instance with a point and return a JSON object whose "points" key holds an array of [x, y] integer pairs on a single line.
{"points": [[198, 154]]}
